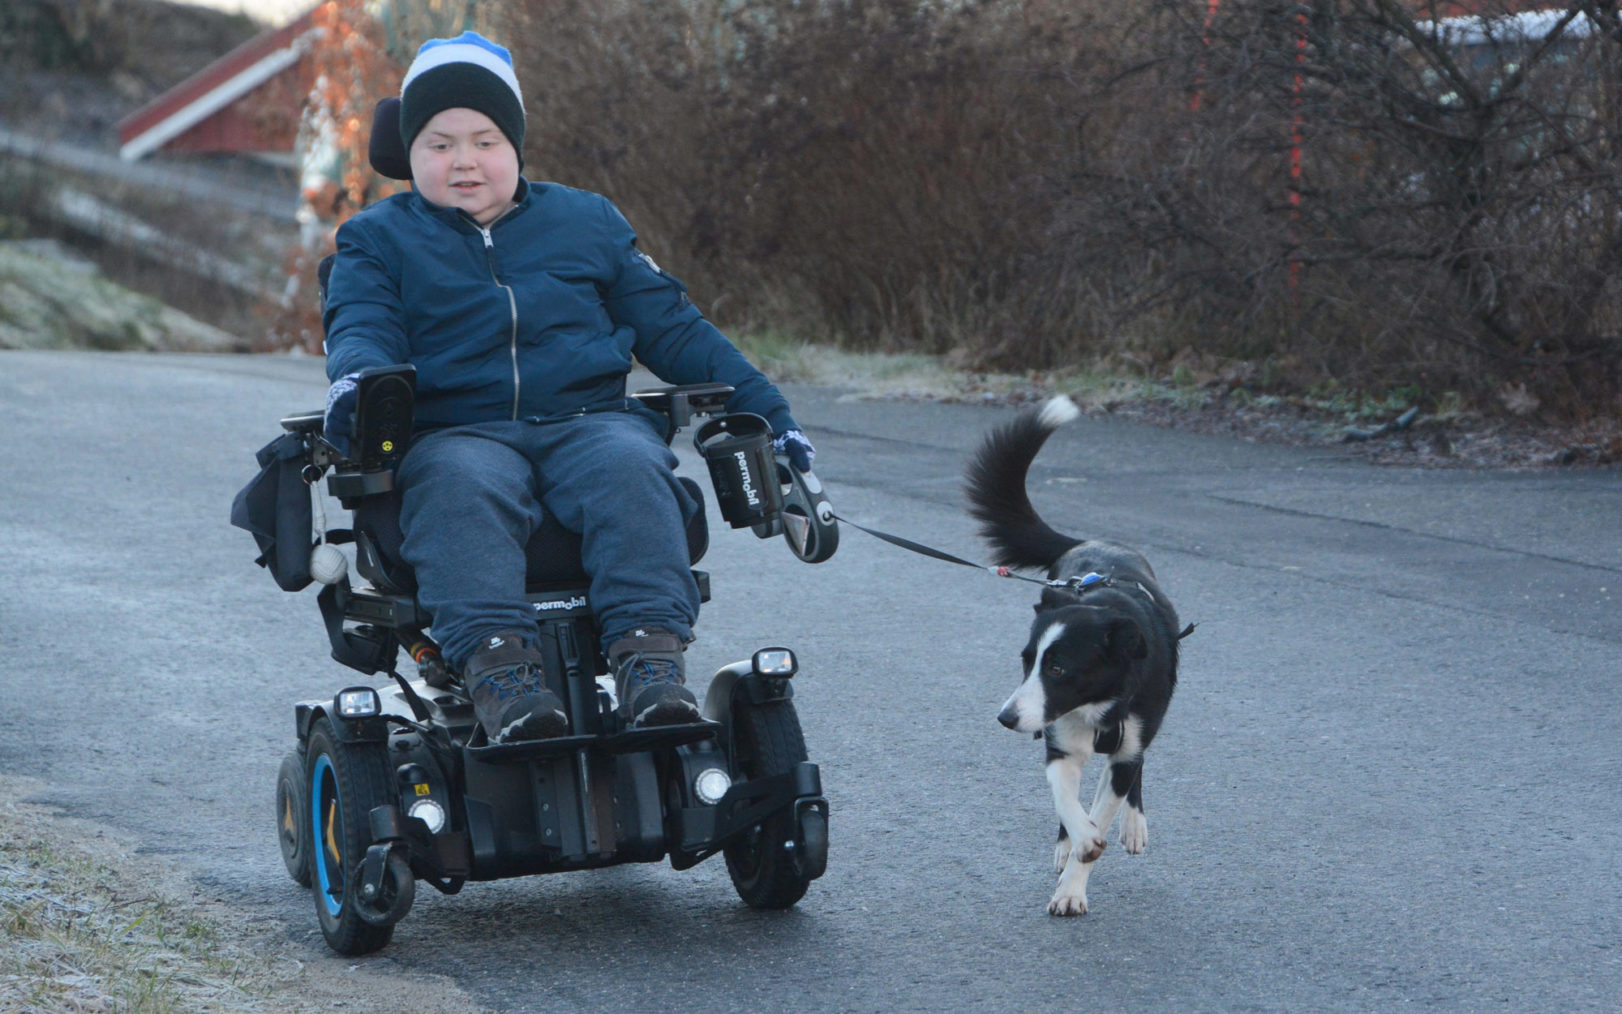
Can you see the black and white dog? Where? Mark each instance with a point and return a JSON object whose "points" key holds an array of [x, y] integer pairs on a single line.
{"points": [[1101, 662]]}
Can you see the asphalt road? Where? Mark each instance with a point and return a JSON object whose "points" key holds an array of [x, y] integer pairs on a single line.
{"points": [[1389, 775]]}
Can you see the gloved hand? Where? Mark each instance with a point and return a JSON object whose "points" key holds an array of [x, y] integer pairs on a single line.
{"points": [[339, 425], [794, 445]]}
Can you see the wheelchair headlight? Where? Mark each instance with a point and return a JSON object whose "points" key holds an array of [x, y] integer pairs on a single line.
{"points": [[357, 702], [710, 785], [774, 662]]}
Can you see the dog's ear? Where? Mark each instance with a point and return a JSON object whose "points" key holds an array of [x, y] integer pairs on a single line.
{"points": [[1055, 598], [1126, 640]]}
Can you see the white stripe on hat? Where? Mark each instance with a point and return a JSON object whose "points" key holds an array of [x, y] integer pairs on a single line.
{"points": [[462, 52]]}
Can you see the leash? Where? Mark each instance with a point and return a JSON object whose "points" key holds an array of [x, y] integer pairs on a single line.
{"points": [[1092, 579], [1085, 582]]}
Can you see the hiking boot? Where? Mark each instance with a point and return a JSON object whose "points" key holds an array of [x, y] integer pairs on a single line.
{"points": [[649, 677], [510, 699]]}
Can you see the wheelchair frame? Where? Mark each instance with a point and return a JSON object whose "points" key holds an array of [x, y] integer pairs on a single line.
{"points": [[387, 788]]}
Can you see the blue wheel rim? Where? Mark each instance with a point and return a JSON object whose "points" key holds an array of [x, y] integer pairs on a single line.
{"points": [[328, 868]]}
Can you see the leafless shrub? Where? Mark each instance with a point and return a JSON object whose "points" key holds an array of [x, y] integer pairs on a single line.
{"points": [[884, 169], [1342, 190], [1455, 224]]}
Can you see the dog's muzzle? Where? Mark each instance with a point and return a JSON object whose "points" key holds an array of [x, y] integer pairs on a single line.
{"points": [[1009, 715], [1024, 711]]}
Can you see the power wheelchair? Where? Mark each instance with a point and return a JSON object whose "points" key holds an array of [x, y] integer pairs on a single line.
{"points": [[388, 788]]}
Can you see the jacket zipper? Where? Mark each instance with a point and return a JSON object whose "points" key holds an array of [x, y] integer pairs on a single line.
{"points": [[512, 305]]}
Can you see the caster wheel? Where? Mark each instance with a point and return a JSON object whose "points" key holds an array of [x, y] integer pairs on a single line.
{"points": [[773, 865], [346, 780], [813, 842], [394, 899], [293, 818]]}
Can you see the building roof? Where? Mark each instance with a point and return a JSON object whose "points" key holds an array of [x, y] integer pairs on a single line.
{"points": [[210, 110]]}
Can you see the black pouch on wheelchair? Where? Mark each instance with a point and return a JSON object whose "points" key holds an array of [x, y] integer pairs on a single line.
{"points": [[738, 449], [275, 509]]}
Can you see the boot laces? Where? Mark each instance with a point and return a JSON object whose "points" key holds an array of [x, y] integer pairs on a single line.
{"points": [[520, 681], [650, 671]]}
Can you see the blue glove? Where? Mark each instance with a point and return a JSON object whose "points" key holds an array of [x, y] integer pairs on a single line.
{"points": [[339, 425], [798, 450]]}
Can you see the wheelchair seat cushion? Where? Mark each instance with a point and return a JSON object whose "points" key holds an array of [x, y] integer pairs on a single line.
{"points": [[552, 554]]}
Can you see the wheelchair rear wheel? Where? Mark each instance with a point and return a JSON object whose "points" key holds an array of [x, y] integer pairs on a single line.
{"points": [[293, 818], [774, 863], [346, 780]]}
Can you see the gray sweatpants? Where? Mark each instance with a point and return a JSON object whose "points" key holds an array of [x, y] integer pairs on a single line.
{"points": [[472, 495]]}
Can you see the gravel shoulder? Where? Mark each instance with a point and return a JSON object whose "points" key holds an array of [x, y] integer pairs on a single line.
{"points": [[1210, 402], [1419, 441], [87, 924]]}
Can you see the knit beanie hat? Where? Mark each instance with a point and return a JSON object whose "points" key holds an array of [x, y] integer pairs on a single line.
{"points": [[468, 72]]}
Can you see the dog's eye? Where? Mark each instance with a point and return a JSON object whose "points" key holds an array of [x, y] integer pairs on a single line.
{"points": [[1053, 669]]}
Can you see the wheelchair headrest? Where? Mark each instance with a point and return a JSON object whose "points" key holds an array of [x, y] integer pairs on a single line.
{"points": [[386, 150]]}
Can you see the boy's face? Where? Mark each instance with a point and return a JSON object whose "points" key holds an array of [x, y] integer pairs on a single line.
{"points": [[461, 159]]}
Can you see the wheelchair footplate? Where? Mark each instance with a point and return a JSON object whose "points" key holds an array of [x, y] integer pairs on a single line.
{"points": [[628, 741]]}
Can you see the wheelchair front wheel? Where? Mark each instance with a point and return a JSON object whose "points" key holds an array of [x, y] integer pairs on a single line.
{"points": [[774, 863], [346, 780]]}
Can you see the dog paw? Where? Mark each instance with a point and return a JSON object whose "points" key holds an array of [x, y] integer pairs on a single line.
{"points": [[1068, 903], [1061, 855], [1134, 832], [1095, 848]]}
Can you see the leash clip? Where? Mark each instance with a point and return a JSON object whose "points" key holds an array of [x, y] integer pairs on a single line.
{"points": [[1086, 582]]}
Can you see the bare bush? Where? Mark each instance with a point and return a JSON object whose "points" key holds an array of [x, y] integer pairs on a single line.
{"points": [[1454, 225], [883, 173], [1353, 192]]}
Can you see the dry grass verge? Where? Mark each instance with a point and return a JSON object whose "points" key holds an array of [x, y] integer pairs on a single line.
{"points": [[1390, 431], [86, 925]]}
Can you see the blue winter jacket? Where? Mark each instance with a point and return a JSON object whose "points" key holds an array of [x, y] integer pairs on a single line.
{"points": [[535, 317]]}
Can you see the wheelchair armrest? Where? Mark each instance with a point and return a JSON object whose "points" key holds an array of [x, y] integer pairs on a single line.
{"points": [[680, 404], [385, 401], [318, 454], [304, 423], [350, 485], [351, 479]]}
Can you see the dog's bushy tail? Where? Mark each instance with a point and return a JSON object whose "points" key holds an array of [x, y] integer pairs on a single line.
{"points": [[995, 484]]}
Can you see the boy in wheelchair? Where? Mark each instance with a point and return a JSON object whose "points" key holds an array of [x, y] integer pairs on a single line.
{"points": [[521, 306]]}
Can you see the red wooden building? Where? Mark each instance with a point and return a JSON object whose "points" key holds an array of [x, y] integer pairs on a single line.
{"points": [[247, 101]]}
